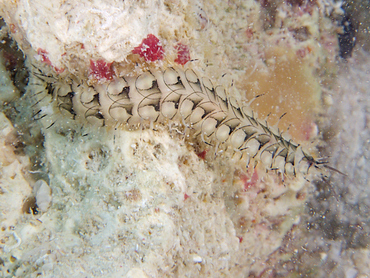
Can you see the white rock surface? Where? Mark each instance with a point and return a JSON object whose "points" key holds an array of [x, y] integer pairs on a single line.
{"points": [[42, 193]]}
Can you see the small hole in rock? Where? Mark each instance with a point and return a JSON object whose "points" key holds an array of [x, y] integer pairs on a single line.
{"points": [[30, 206]]}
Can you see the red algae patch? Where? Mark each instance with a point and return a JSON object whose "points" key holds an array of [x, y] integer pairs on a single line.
{"points": [[183, 54], [150, 49], [288, 86], [101, 70], [45, 59], [249, 181]]}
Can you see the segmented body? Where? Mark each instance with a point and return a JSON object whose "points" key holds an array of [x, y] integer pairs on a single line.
{"points": [[182, 97]]}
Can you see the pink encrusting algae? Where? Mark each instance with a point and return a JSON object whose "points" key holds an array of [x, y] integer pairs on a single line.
{"points": [[150, 49]]}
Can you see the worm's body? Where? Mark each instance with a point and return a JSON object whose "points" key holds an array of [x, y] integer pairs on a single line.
{"points": [[181, 97]]}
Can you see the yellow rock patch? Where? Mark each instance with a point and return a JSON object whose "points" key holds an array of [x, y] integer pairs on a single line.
{"points": [[288, 86]]}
